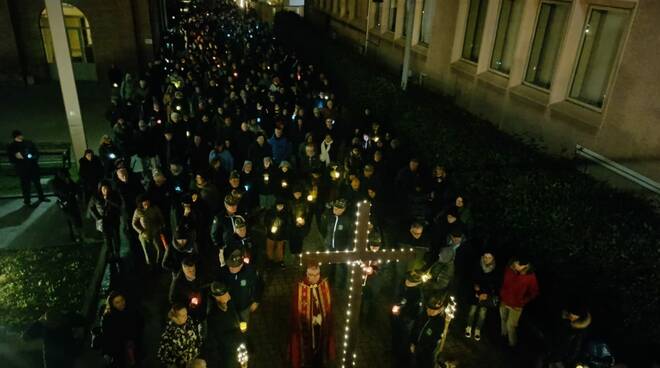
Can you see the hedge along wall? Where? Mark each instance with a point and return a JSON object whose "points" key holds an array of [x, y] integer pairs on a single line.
{"points": [[584, 237]]}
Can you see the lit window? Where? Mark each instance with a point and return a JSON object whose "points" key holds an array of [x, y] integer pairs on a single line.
{"points": [[601, 41], [550, 27], [78, 34], [507, 33], [474, 29]]}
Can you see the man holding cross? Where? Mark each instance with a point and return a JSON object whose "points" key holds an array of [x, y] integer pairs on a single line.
{"points": [[312, 342]]}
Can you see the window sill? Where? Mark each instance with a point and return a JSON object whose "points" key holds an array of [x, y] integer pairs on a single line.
{"points": [[464, 68], [531, 95], [494, 80], [580, 114], [420, 49]]}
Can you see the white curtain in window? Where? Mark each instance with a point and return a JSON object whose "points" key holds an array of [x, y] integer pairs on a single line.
{"points": [[602, 37], [550, 29], [507, 34], [474, 29], [428, 10]]}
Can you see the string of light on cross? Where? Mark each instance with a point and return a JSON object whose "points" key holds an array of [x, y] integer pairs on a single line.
{"points": [[361, 257]]}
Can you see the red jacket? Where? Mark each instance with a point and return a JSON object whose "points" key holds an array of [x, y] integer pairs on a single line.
{"points": [[518, 289]]}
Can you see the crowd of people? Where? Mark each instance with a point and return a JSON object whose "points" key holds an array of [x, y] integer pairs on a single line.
{"points": [[229, 133]]}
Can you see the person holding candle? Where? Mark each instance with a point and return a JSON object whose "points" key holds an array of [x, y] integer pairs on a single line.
{"points": [[223, 324], [427, 331], [300, 211], [243, 282], [277, 230]]}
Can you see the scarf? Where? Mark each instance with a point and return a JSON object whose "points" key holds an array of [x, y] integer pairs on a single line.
{"points": [[325, 152]]}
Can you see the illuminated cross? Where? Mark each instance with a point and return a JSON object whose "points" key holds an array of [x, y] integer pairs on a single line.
{"points": [[360, 258]]}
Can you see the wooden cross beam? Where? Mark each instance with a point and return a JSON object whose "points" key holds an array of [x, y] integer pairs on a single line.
{"points": [[359, 260]]}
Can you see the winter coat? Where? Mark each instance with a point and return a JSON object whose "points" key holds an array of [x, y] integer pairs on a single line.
{"points": [[148, 222], [281, 148], [90, 173], [337, 231], [245, 286], [106, 212], [518, 289], [179, 344]]}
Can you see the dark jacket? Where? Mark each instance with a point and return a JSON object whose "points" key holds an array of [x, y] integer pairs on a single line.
{"points": [[337, 231], [120, 330], [425, 335], [223, 335], [30, 162], [245, 286], [278, 221], [487, 279], [106, 212], [90, 173]]}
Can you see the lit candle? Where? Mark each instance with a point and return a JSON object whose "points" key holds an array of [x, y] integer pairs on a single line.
{"points": [[396, 310], [335, 174], [266, 178], [273, 229], [300, 220], [194, 301], [284, 184], [242, 355], [310, 198], [243, 326], [246, 260], [426, 277], [178, 107]]}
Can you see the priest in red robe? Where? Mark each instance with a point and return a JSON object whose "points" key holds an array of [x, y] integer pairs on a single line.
{"points": [[312, 342]]}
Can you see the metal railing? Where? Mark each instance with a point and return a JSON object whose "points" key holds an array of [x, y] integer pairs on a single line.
{"points": [[618, 169]]}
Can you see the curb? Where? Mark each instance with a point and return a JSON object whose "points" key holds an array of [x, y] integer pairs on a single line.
{"points": [[91, 294]]}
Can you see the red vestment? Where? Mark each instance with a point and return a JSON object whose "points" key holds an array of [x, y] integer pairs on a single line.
{"points": [[310, 343]]}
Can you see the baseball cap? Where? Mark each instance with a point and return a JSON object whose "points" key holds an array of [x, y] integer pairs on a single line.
{"points": [[235, 258], [218, 288], [239, 221], [339, 203]]}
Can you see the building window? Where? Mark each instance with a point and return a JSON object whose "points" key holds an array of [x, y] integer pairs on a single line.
{"points": [[601, 41], [405, 21], [378, 13], [550, 27], [428, 10], [391, 22], [474, 29], [78, 32], [507, 33]]}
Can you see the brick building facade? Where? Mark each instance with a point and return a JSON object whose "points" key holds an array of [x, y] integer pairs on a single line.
{"points": [[123, 32]]}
